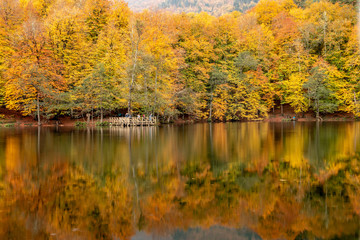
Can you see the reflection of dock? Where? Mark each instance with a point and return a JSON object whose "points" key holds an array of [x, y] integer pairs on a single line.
{"points": [[130, 122]]}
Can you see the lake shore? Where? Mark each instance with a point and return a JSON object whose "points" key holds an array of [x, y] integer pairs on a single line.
{"points": [[68, 122], [15, 119]]}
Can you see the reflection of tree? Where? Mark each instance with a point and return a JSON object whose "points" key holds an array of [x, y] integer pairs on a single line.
{"points": [[66, 202], [265, 203], [151, 186]]}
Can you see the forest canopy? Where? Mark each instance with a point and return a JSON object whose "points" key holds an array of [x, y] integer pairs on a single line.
{"points": [[71, 57]]}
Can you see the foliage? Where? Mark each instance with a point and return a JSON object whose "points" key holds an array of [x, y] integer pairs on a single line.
{"points": [[95, 56], [319, 92], [80, 124], [102, 124]]}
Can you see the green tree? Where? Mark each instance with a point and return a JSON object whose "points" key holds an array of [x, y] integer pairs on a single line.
{"points": [[97, 92], [217, 78], [319, 93]]}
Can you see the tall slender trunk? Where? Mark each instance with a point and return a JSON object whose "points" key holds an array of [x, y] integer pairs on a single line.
{"points": [[133, 75], [38, 109], [355, 103], [317, 115], [282, 109], [147, 96], [155, 98], [210, 113], [298, 57], [88, 116], [325, 25], [131, 83], [317, 110], [129, 103], [101, 115]]}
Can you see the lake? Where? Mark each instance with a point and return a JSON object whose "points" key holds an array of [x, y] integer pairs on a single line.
{"points": [[202, 181]]}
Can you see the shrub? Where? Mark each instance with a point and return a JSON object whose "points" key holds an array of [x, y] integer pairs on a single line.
{"points": [[102, 124], [80, 124]]}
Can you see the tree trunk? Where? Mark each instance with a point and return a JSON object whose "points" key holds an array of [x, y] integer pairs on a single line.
{"points": [[317, 115], [101, 115], [282, 109], [38, 109], [325, 25], [210, 113], [88, 115], [129, 103], [317, 110], [147, 96], [355, 103], [133, 73], [155, 99]]}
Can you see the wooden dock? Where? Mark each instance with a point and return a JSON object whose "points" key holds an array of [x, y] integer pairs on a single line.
{"points": [[132, 122]]}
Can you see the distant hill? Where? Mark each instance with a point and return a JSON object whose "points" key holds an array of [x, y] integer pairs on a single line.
{"points": [[139, 5], [214, 7]]}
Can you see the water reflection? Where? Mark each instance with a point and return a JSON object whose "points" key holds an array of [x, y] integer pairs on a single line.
{"points": [[235, 180]]}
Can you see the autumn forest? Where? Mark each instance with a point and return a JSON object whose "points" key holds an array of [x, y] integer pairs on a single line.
{"points": [[72, 57]]}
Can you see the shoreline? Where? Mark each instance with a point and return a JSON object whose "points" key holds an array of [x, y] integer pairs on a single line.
{"points": [[10, 118], [23, 123]]}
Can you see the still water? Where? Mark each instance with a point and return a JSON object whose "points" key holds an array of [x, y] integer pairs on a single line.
{"points": [[202, 181]]}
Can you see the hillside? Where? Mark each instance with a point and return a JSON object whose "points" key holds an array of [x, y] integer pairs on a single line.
{"points": [[214, 7], [139, 5]]}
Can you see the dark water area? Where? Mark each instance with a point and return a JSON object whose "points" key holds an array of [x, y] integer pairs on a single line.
{"points": [[203, 181]]}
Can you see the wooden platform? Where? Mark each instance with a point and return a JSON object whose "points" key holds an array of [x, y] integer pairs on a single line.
{"points": [[135, 121]]}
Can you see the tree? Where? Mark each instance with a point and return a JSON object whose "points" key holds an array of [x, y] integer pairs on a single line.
{"points": [[10, 19], [97, 18], [196, 40], [136, 32], [319, 93], [294, 93], [68, 42], [35, 75], [250, 89], [97, 92], [217, 78], [162, 63], [112, 49]]}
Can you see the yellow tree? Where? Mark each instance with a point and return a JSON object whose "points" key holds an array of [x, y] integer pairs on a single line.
{"points": [[35, 76], [352, 67], [196, 40], [159, 37], [226, 48], [113, 46], [136, 48], [10, 19], [67, 40]]}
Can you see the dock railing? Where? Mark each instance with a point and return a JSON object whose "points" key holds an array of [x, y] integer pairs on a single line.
{"points": [[132, 121]]}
